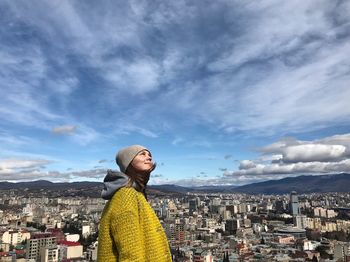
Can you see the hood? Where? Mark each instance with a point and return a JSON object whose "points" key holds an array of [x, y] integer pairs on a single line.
{"points": [[113, 181]]}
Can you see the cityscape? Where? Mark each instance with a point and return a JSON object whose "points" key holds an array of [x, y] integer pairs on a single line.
{"points": [[44, 225], [242, 106]]}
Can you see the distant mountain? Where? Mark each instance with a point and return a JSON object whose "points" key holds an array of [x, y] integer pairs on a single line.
{"points": [[301, 184], [169, 188]]}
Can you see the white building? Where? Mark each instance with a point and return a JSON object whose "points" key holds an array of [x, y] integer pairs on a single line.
{"points": [[14, 237], [70, 250], [91, 252], [310, 245], [72, 237], [85, 230], [49, 254], [300, 221]]}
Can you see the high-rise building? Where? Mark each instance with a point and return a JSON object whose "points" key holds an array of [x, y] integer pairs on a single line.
{"points": [[232, 225], [192, 206], [294, 204]]}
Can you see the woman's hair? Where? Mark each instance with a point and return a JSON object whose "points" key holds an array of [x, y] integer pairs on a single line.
{"points": [[141, 177]]}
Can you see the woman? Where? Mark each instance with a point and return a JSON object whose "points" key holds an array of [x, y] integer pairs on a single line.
{"points": [[129, 230]]}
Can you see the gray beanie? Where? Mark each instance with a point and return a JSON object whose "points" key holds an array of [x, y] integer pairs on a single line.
{"points": [[125, 156]]}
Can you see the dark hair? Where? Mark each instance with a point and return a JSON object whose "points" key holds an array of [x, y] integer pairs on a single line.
{"points": [[140, 177]]}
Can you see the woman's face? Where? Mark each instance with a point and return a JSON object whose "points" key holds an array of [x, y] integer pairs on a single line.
{"points": [[142, 161]]}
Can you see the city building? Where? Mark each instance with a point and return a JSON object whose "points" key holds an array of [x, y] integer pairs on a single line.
{"points": [[37, 243], [294, 204], [70, 250]]}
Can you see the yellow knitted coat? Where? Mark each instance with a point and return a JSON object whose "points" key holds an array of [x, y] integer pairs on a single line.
{"points": [[130, 231]]}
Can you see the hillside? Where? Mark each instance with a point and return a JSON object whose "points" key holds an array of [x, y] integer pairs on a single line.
{"points": [[301, 184]]}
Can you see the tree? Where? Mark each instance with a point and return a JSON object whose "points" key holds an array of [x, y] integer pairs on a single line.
{"points": [[87, 241], [71, 228], [323, 251], [314, 259], [42, 228]]}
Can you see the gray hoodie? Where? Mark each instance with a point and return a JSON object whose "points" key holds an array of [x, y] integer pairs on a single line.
{"points": [[113, 181]]}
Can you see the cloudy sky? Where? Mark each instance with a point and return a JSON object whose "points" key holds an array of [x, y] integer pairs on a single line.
{"points": [[222, 92]]}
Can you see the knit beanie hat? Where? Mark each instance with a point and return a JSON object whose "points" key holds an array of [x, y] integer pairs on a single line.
{"points": [[125, 156]]}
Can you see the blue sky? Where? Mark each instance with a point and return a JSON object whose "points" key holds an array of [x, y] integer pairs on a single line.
{"points": [[222, 92]]}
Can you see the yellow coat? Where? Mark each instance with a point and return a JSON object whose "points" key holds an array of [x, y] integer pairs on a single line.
{"points": [[130, 231]]}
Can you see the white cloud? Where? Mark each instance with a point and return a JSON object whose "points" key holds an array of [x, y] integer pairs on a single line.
{"points": [[27, 175], [273, 158], [22, 100], [177, 141], [13, 140], [130, 128], [22, 169], [66, 129], [273, 69], [63, 86], [91, 173], [299, 157], [136, 77], [279, 28], [11, 164], [343, 139], [191, 182], [246, 164], [85, 135], [268, 93], [313, 152], [278, 147], [296, 168]]}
